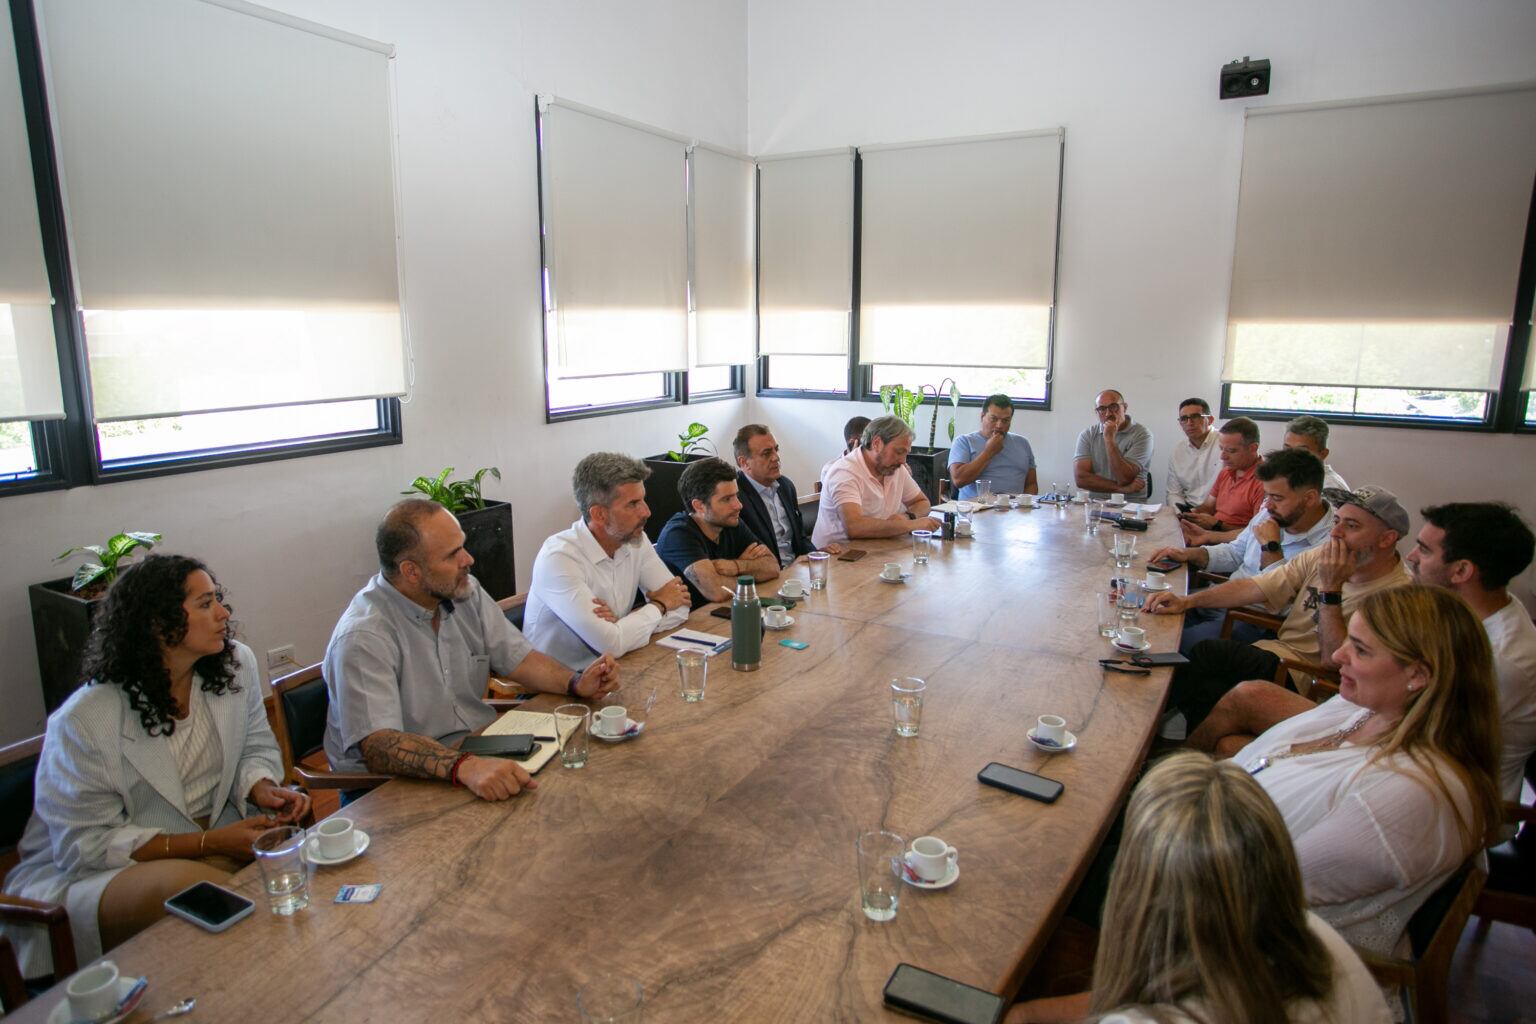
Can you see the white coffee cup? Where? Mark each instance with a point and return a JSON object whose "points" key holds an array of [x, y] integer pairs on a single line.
{"points": [[1117, 498], [793, 588], [1080, 496], [776, 616], [1051, 729], [337, 837], [932, 858], [1156, 581], [891, 570], [1133, 636], [610, 721], [93, 992], [1143, 514]]}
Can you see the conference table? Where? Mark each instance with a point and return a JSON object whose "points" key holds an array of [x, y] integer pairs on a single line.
{"points": [[712, 857]]}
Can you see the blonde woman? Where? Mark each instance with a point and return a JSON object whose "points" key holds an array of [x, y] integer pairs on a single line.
{"points": [[1206, 920]]}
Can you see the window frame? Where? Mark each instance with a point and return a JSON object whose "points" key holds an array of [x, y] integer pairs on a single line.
{"points": [[66, 449]]}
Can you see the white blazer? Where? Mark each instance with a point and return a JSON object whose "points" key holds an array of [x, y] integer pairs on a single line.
{"points": [[105, 787]]}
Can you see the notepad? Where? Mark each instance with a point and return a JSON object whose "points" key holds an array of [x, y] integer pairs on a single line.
{"points": [[695, 640], [535, 723]]}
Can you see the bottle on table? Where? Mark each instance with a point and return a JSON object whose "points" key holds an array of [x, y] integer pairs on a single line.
{"points": [[746, 627]]}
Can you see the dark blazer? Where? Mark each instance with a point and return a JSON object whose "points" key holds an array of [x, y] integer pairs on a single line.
{"points": [[754, 515]]}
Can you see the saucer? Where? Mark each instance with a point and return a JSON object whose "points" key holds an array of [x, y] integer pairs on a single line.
{"points": [[1163, 585], [1115, 504], [904, 577], [789, 620], [1127, 648], [1053, 748], [911, 877], [60, 1012], [792, 597], [314, 856], [632, 729]]}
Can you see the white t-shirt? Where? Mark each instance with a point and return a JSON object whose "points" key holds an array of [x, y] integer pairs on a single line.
{"points": [[1513, 638], [849, 480], [1355, 998]]}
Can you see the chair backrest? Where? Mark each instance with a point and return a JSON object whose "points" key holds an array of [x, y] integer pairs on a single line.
{"points": [[514, 607], [810, 508], [18, 771], [1426, 921], [302, 703]]}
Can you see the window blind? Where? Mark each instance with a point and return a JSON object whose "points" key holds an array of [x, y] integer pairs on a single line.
{"points": [[29, 367], [958, 261], [1379, 241], [805, 245], [228, 175], [616, 246], [721, 191]]}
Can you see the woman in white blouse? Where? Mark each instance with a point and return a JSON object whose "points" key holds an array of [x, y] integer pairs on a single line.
{"points": [[148, 772], [1205, 918], [1387, 788]]}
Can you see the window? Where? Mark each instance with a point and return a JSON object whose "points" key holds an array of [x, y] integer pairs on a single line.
{"points": [[817, 376], [208, 305], [1379, 246], [975, 383]]}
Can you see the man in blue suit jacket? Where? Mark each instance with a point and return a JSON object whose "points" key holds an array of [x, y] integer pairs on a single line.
{"points": [[770, 508]]}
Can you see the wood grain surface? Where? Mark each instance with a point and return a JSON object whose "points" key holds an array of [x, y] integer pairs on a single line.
{"points": [[712, 858]]}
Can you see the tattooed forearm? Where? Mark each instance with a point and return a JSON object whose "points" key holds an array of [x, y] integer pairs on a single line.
{"points": [[391, 752]]}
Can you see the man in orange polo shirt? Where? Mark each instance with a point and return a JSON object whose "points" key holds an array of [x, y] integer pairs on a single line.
{"points": [[1236, 496]]}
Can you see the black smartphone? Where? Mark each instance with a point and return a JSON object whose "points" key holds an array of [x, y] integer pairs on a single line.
{"points": [[517, 744], [1183, 506], [722, 612], [1163, 565], [921, 993], [209, 906], [1016, 780], [852, 555], [1160, 658]]}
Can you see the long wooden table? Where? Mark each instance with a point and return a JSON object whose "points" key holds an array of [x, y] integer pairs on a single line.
{"points": [[713, 857]]}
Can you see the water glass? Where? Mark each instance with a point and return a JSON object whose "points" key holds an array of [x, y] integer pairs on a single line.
{"points": [[1130, 602], [907, 704], [692, 670], [1109, 614], [1125, 550], [1091, 516], [573, 722], [880, 856], [922, 545], [984, 492], [285, 871], [818, 560], [613, 997]]}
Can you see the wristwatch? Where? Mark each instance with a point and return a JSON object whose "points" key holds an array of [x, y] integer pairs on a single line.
{"points": [[1272, 546], [909, 514], [1330, 597]]}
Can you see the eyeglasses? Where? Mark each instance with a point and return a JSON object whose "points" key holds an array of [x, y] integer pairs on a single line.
{"points": [[1192, 419], [1107, 408]]}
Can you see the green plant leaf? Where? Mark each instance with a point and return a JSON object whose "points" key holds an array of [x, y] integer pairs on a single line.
{"points": [[954, 396], [87, 574]]}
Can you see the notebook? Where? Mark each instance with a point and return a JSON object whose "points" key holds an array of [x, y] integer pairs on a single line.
{"points": [[536, 723]]}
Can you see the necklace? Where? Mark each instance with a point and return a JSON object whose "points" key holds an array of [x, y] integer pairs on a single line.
{"points": [[1333, 742]]}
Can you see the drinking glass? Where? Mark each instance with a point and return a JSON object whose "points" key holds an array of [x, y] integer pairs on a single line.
{"points": [[1130, 602], [1125, 550], [572, 724], [907, 704], [880, 855], [984, 492], [613, 997], [1109, 614], [285, 871], [692, 671], [818, 560], [922, 544], [1091, 516]]}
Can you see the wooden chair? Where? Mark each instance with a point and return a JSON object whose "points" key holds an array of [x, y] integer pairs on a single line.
{"points": [[18, 774], [13, 989], [1510, 895], [1433, 932], [302, 703]]}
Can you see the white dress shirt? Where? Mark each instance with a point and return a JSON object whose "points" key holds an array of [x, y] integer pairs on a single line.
{"points": [[782, 534], [1192, 471], [572, 569]]}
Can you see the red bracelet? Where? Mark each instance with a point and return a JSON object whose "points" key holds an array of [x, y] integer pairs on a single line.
{"points": [[453, 774]]}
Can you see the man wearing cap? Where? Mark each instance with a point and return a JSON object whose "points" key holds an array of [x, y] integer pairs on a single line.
{"points": [[1330, 581]]}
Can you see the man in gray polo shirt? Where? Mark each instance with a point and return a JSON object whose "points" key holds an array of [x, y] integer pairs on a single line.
{"points": [[1114, 455], [406, 668]]}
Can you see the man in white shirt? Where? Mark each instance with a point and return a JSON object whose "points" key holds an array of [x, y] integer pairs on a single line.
{"points": [[1193, 463], [1475, 549], [1311, 434], [870, 492], [586, 579], [853, 433]]}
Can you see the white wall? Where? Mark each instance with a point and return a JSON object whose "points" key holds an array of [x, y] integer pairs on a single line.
{"points": [[292, 540], [1150, 182]]}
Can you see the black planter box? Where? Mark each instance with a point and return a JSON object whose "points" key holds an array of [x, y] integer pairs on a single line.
{"points": [[929, 466], [488, 539], [61, 623], [661, 491]]}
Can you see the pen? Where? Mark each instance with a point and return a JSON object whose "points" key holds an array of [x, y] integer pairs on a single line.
{"points": [[1124, 666]]}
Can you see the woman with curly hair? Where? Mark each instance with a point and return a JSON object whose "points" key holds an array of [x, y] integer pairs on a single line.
{"points": [[157, 774]]}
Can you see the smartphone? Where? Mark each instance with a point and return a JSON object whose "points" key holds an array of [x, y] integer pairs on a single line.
{"points": [[1183, 506], [1016, 780], [722, 612], [1163, 565], [852, 555], [209, 906], [517, 744], [921, 993]]}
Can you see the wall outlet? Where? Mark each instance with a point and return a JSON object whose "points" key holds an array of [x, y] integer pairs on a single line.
{"points": [[279, 658]]}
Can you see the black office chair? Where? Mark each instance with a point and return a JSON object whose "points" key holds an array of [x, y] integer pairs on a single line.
{"points": [[302, 704], [18, 774]]}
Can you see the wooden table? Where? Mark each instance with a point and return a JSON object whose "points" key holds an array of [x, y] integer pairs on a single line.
{"points": [[713, 858]]}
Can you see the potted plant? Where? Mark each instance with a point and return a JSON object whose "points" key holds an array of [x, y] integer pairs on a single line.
{"points": [[667, 469], [64, 610], [929, 465], [487, 526]]}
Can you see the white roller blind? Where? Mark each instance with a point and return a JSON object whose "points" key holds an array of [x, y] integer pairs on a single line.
{"points": [[1378, 242], [229, 182], [805, 245], [29, 367], [959, 251], [616, 223], [722, 257]]}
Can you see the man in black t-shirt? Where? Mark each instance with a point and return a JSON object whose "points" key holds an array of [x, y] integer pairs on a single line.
{"points": [[706, 543]]}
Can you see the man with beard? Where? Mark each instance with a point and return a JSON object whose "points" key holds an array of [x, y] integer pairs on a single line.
{"points": [[707, 542], [870, 491], [1359, 559], [407, 665], [588, 579]]}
